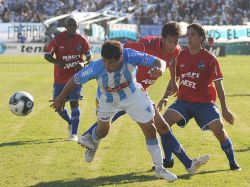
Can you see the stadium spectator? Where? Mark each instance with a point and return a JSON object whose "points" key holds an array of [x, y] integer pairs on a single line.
{"points": [[166, 48], [210, 12], [198, 70], [69, 48], [118, 90]]}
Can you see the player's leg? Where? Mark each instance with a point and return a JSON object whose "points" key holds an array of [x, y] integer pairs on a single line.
{"points": [[176, 113], [141, 110], [225, 142], [57, 88], [207, 117], [74, 97]]}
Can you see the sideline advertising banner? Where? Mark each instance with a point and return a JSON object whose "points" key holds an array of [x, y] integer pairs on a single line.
{"points": [[22, 32]]}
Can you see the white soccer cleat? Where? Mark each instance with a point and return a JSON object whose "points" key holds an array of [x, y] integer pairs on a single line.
{"points": [[86, 141], [196, 163], [165, 174], [73, 138], [90, 154]]}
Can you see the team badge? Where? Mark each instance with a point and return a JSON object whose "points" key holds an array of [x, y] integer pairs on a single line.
{"points": [[78, 47], [201, 65]]}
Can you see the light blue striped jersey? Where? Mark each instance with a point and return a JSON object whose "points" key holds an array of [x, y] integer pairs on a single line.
{"points": [[118, 85]]}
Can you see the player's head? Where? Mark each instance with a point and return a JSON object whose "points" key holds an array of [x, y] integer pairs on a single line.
{"points": [[112, 55], [196, 35], [170, 33], [71, 25]]}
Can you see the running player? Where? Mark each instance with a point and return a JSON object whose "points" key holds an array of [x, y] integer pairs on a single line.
{"points": [[69, 48]]}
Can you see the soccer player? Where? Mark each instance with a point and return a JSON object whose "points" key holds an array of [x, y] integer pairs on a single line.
{"points": [[118, 90], [69, 48], [164, 47], [200, 78]]}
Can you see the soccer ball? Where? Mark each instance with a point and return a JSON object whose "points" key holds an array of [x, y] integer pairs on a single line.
{"points": [[21, 103]]}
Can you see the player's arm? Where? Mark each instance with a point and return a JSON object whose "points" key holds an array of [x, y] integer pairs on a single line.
{"points": [[227, 115], [173, 88], [158, 68], [58, 102], [49, 57]]}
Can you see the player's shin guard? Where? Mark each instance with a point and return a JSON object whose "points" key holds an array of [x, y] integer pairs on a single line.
{"points": [[227, 147], [170, 144], [64, 114], [155, 153], [75, 119]]}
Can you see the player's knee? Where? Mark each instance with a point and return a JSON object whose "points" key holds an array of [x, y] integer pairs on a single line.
{"points": [[74, 104]]}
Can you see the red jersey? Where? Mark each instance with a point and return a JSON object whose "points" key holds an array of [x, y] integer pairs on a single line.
{"points": [[152, 46], [67, 50], [197, 73]]}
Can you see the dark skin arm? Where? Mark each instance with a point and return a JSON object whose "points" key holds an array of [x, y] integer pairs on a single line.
{"points": [[52, 60]]}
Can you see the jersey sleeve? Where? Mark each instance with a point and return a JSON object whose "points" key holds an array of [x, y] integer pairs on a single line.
{"points": [[138, 58], [50, 49], [138, 46], [215, 70], [91, 71]]}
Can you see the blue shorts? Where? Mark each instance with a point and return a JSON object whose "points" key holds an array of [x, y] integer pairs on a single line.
{"points": [[203, 113], [73, 96]]}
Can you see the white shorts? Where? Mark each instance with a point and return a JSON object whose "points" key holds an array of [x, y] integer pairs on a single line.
{"points": [[138, 106]]}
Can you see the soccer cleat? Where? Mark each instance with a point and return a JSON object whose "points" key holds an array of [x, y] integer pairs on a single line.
{"points": [[86, 141], [90, 154], [91, 147], [69, 130], [235, 167], [196, 163], [73, 138], [165, 174], [168, 164]]}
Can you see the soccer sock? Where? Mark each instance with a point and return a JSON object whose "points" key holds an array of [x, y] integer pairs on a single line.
{"points": [[96, 139], [227, 147], [170, 144], [90, 129], [155, 153], [117, 115], [64, 114], [75, 119]]}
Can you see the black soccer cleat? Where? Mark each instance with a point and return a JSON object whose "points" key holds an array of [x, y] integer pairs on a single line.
{"points": [[235, 167], [168, 164]]}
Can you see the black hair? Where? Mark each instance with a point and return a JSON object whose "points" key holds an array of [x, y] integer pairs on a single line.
{"points": [[201, 31], [171, 28], [111, 49], [68, 20]]}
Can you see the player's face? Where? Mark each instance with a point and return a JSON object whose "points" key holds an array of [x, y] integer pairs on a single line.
{"points": [[193, 38], [112, 65], [169, 42], [71, 27]]}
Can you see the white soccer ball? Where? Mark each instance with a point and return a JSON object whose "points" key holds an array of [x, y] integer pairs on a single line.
{"points": [[21, 103]]}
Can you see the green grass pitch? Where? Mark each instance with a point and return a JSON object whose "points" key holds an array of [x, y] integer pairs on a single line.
{"points": [[35, 151]]}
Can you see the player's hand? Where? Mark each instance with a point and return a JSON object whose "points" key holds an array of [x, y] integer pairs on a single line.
{"points": [[155, 72], [61, 64], [57, 104], [162, 102], [79, 66], [228, 116]]}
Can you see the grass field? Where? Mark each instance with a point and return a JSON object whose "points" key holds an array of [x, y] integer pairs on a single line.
{"points": [[35, 151]]}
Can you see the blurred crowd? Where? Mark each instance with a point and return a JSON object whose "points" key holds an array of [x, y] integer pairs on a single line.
{"points": [[209, 12]]}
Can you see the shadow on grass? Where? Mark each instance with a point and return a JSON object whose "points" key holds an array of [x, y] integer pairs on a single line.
{"points": [[99, 181], [242, 150], [188, 176], [28, 142], [238, 95]]}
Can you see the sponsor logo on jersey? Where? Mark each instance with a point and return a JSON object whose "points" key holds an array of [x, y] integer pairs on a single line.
{"points": [[119, 87], [87, 72], [69, 58], [61, 47], [70, 65]]}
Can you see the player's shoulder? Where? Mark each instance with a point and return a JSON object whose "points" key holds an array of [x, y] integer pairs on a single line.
{"points": [[139, 46], [210, 56]]}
